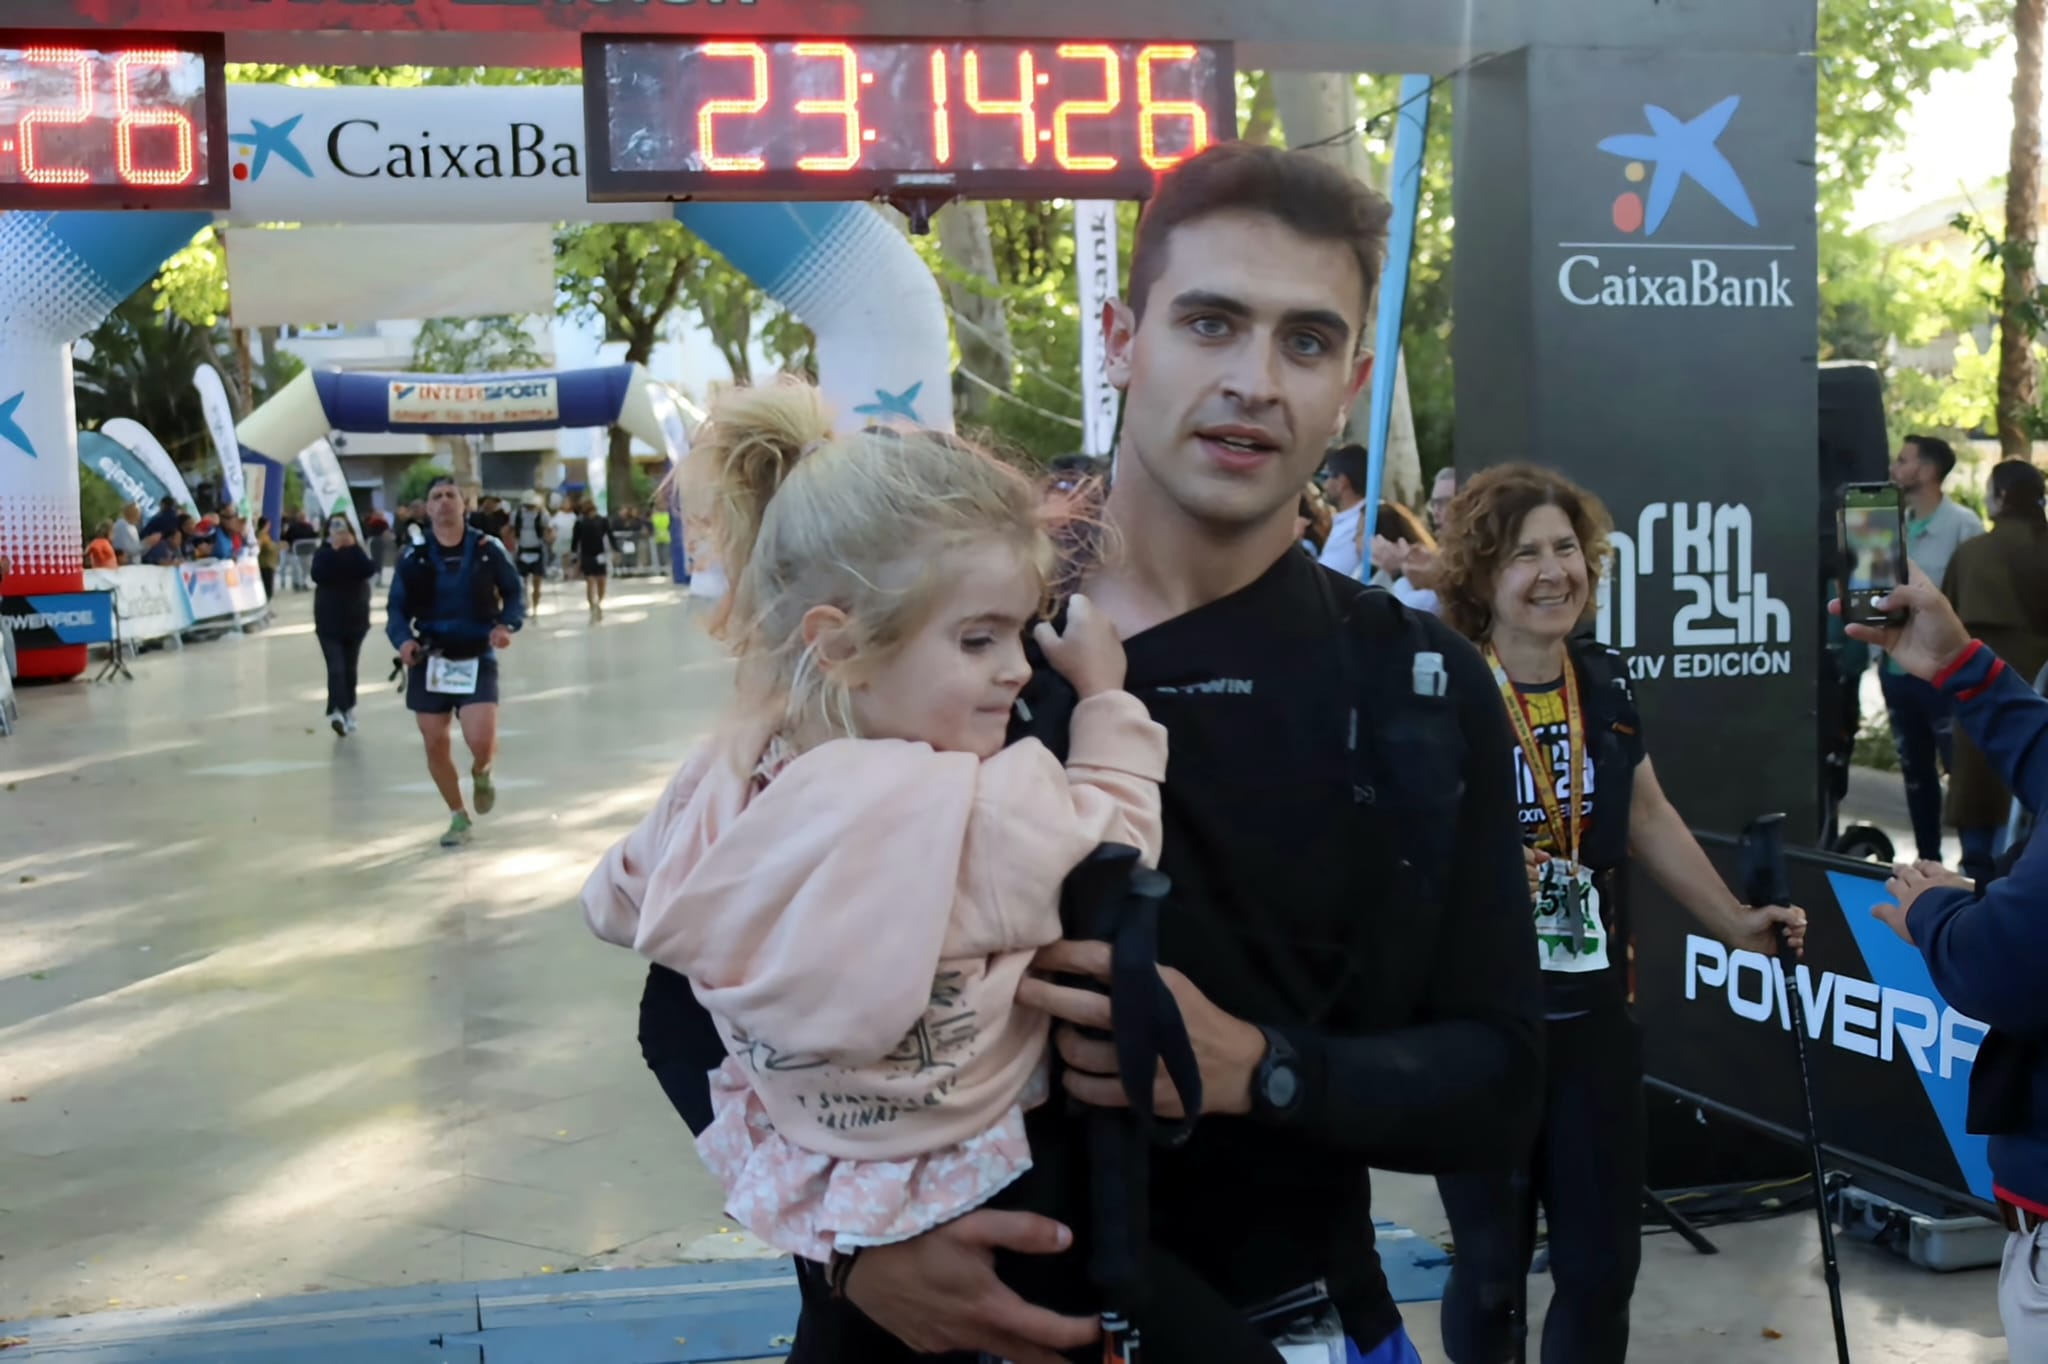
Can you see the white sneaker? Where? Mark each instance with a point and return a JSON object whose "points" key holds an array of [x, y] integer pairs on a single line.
{"points": [[335, 722], [348, 720]]}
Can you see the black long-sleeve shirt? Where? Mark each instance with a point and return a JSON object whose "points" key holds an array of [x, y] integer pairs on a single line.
{"points": [[1418, 1017]]}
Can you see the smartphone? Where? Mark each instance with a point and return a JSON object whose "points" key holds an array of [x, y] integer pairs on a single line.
{"points": [[1870, 539]]}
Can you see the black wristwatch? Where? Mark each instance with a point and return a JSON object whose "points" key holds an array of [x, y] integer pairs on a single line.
{"points": [[1277, 1083]]}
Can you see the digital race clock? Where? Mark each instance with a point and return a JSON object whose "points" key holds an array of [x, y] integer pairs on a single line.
{"points": [[92, 121], [683, 118]]}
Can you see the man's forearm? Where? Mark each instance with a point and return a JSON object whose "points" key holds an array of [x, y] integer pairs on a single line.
{"points": [[1432, 1099]]}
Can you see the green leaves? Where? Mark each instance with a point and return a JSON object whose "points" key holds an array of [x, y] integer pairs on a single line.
{"points": [[476, 345]]}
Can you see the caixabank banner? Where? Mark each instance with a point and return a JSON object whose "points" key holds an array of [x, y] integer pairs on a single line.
{"points": [[1891, 1058], [1659, 249]]}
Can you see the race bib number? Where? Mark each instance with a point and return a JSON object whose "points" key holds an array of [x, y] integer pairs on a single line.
{"points": [[1319, 1343], [452, 676], [1569, 935]]}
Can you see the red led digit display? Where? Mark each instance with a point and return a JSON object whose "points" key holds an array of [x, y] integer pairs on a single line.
{"points": [[683, 118], [92, 123]]}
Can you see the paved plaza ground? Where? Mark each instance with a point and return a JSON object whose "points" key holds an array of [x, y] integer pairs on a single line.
{"points": [[259, 1036]]}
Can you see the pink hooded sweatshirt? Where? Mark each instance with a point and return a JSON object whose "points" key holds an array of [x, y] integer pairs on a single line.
{"points": [[857, 929]]}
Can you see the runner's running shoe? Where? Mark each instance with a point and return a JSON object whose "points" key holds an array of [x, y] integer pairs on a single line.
{"points": [[458, 832]]}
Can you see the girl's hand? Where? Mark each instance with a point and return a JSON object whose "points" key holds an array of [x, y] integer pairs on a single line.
{"points": [[1532, 862], [1089, 654]]}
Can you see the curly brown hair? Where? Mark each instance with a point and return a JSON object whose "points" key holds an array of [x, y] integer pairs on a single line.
{"points": [[1483, 524]]}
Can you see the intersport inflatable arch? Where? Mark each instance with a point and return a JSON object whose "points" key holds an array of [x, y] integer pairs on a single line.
{"points": [[461, 155]]}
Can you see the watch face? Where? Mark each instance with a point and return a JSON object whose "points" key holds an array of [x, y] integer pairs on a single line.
{"points": [[1282, 1085]]}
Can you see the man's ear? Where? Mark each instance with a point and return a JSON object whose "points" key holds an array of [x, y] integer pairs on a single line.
{"points": [[1359, 379], [1119, 334], [824, 629]]}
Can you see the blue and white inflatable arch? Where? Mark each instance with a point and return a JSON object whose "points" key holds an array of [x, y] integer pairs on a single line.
{"points": [[884, 349]]}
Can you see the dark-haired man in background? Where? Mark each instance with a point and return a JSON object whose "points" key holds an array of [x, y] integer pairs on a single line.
{"points": [[1381, 1008], [1920, 715], [1344, 481]]}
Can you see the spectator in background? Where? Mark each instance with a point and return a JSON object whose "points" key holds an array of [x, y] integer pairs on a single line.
{"points": [[1935, 528], [99, 551], [1344, 480], [166, 550], [1400, 537], [127, 540], [169, 517], [268, 555], [1312, 518], [1442, 493], [1998, 585], [214, 541], [342, 570]]}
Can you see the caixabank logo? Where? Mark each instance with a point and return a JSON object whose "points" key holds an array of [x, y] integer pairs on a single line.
{"points": [[1677, 173]]}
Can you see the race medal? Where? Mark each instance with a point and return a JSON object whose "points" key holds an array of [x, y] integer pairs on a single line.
{"points": [[451, 676], [1570, 936]]}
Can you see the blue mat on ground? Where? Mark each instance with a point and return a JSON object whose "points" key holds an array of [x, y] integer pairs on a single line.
{"points": [[687, 1314]]}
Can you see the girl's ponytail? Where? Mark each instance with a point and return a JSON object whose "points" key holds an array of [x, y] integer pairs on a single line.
{"points": [[743, 454]]}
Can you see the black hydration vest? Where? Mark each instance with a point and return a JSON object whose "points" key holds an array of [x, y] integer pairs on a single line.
{"points": [[462, 624]]}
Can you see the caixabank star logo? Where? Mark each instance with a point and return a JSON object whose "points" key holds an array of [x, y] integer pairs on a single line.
{"points": [[1678, 173], [1671, 153]]}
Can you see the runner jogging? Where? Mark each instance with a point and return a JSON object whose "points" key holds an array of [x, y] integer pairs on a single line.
{"points": [[455, 602], [532, 540]]}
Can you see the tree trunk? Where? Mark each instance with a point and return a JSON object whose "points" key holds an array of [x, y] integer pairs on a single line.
{"points": [[618, 468], [2018, 381], [618, 458], [980, 325], [462, 464], [1313, 108]]}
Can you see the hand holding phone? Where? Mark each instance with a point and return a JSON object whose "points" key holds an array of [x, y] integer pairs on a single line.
{"points": [[1870, 540], [1928, 635]]}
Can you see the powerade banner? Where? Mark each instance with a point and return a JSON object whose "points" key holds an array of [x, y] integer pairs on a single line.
{"points": [[122, 469], [473, 402], [1891, 1059], [50, 620]]}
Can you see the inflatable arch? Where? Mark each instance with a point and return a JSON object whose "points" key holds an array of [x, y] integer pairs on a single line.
{"points": [[333, 157], [359, 402]]}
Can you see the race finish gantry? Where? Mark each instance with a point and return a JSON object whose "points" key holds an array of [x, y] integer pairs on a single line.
{"points": [[1636, 300]]}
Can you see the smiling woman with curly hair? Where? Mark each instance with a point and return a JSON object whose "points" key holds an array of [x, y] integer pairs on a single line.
{"points": [[1485, 520], [1521, 558]]}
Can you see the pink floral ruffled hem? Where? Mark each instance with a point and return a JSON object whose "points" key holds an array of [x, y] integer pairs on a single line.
{"points": [[810, 1204]]}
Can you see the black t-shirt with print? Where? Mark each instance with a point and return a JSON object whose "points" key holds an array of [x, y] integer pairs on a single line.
{"points": [[1599, 802]]}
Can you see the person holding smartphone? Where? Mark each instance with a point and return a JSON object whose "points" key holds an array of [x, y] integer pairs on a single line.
{"points": [[342, 571], [1987, 948]]}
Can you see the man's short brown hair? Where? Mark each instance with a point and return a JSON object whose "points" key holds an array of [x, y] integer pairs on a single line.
{"points": [[1310, 195]]}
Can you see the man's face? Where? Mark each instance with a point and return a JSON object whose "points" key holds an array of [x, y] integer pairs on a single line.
{"points": [[1440, 495], [444, 506], [1243, 369], [1910, 472]]}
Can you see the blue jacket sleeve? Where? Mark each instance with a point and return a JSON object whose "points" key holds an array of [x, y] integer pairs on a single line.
{"points": [[398, 617], [1988, 954], [511, 592]]}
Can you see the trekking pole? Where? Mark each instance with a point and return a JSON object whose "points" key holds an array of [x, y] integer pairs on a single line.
{"points": [[1765, 883]]}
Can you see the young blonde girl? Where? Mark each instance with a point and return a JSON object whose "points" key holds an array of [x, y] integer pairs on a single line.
{"points": [[854, 871]]}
